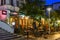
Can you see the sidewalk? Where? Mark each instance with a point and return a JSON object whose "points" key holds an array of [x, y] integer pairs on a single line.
{"points": [[38, 38], [52, 36]]}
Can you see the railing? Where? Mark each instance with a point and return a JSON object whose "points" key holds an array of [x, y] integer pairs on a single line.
{"points": [[5, 7]]}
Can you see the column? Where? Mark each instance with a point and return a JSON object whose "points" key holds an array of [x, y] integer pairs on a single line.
{"points": [[7, 2], [24, 1], [0, 2], [14, 2], [8, 16]]}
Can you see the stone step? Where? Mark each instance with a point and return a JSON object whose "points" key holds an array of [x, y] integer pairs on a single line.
{"points": [[4, 35], [7, 38]]}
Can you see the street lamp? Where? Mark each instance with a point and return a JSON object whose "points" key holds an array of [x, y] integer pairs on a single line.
{"points": [[49, 9]]}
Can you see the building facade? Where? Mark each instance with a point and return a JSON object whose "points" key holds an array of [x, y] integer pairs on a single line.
{"points": [[56, 6], [9, 4], [12, 8]]}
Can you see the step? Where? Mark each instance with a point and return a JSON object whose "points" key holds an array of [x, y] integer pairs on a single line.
{"points": [[7, 38]]}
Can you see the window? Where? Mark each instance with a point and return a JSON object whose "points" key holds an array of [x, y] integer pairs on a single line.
{"points": [[11, 2], [18, 3], [3, 2]]}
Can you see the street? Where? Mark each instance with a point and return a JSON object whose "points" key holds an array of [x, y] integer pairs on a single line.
{"points": [[55, 36]]}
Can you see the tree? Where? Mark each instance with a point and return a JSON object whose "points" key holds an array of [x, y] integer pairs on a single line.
{"points": [[33, 9], [55, 14]]}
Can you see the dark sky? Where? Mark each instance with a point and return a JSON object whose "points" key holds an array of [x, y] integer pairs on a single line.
{"points": [[49, 2]]}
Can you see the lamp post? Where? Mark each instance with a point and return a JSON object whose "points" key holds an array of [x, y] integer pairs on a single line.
{"points": [[49, 9]]}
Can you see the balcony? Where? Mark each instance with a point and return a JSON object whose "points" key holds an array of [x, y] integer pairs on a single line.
{"points": [[6, 7]]}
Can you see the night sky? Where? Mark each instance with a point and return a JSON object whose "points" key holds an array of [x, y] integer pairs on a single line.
{"points": [[49, 2]]}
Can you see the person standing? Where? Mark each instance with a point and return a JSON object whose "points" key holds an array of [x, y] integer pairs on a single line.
{"points": [[34, 25]]}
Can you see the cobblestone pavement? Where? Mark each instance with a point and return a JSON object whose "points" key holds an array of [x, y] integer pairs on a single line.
{"points": [[55, 36]]}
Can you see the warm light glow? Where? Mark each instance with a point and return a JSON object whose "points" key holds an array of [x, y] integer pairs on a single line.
{"points": [[58, 21], [27, 17], [13, 23], [42, 20]]}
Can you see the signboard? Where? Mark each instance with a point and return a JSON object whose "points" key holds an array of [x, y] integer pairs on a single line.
{"points": [[4, 12], [3, 15]]}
